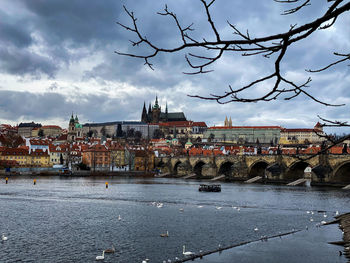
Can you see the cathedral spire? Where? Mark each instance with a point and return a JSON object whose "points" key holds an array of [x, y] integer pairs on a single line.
{"points": [[144, 113], [166, 112]]}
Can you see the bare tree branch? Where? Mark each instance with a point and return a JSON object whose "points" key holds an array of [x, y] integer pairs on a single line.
{"points": [[269, 46]]}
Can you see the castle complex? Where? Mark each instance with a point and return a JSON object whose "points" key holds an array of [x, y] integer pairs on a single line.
{"points": [[155, 115]]}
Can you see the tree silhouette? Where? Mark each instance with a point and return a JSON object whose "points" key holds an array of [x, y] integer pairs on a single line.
{"points": [[273, 46]]}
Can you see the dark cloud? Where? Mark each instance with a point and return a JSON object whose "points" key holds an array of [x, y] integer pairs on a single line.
{"points": [[49, 39], [14, 32], [21, 61]]}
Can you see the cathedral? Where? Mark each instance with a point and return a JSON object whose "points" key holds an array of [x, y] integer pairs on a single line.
{"points": [[155, 114]]}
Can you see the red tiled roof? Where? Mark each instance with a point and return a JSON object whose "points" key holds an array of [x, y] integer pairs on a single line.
{"points": [[14, 151], [336, 150], [97, 148], [39, 152], [182, 124], [62, 137], [244, 127], [38, 142]]}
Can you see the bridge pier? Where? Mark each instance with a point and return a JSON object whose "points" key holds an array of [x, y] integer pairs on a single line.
{"points": [[184, 168], [209, 170]]}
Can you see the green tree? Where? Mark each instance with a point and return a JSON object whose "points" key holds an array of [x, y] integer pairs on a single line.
{"points": [[41, 133]]}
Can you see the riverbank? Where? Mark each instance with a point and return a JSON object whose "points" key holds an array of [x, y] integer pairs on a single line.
{"points": [[344, 225]]}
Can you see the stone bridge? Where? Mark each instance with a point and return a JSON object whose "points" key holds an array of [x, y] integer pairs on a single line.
{"points": [[328, 168]]}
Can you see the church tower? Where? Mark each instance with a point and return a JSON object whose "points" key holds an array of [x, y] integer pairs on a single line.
{"points": [[71, 129], [156, 112]]}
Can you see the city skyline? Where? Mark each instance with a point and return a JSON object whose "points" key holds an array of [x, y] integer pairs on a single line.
{"points": [[58, 56]]}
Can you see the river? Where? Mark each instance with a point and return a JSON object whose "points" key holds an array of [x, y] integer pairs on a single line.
{"points": [[74, 219]]}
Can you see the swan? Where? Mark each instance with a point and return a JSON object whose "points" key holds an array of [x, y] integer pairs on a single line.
{"points": [[145, 260], [218, 207], [256, 229], [101, 257], [165, 235], [3, 237], [186, 253], [110, 250]]}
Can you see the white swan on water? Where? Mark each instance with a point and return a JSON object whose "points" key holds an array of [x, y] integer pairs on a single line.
{"points": [[101, 257], [3, 237], [186, 253]]}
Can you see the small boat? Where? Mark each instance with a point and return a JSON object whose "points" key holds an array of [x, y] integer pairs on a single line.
{"points": [[209, 188]]}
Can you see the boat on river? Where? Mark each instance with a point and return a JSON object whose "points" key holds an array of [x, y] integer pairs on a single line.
{"points": [[209, 188]]}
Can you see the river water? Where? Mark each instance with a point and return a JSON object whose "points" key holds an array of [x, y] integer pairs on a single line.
{"points": [[74, 219]]}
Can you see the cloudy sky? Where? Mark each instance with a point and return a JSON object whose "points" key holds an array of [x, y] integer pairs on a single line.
{"points": [[58, 57]]}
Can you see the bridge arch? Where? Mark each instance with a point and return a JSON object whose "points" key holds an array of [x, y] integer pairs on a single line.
{"points": [[225, 168], [197, 168], [176, 165], [342, 173], [296, 170], [258, 169]]}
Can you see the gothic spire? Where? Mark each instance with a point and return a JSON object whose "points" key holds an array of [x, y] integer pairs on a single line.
{"points": [[166, 112], [144, 113]]}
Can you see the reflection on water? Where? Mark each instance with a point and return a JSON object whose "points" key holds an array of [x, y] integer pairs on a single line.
{"points": [[74, 219]]}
